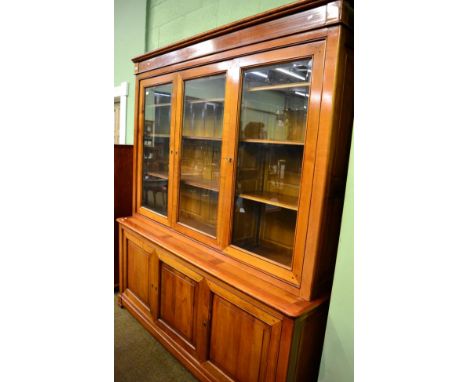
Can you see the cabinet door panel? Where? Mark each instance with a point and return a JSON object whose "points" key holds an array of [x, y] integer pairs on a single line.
{"points": [[139, 273], [236, 341], [178, 301], [244, 339], [183, 304]]}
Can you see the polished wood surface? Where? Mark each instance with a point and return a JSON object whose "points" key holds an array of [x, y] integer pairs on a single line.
{"points": [[305, 357], [332, 153], [123, 167], [199, 320], [239, 356], [235, 280], [272, 24], [213, 265], [138, 275], [178, 301]]}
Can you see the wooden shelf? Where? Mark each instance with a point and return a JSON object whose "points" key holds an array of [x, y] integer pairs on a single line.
{"points": [[278, 255], [279, 86], [273, 199], [206, 100], [159, 105], [198, 225], [259, 110], [271, 141], [195, 181], [156, 135], [161, 175], [202, 138]]}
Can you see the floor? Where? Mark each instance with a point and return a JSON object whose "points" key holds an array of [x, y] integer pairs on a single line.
{"points": [[138, 357]]}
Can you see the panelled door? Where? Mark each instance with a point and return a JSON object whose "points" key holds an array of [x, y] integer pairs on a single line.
{"points": [[183, 303], [279, 94], [243, 338], [139, 283]]}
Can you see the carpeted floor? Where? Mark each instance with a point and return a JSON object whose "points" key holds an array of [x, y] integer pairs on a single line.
{"points": [[138, 357]]}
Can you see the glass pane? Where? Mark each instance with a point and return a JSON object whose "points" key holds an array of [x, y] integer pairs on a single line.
{"points": [[274, 102], [269, 161], [156, 148], [201, 151]]}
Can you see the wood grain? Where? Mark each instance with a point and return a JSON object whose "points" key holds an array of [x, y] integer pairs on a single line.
{"points": [[178, 300], [239, 356], [213, 264], [195, 292], [269, 25]]}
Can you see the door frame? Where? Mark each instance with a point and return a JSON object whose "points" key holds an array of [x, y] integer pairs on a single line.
{"points": [[121, 92]]}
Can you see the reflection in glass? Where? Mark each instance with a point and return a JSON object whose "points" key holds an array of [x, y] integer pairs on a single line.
{"points": [[156, 148], [274, 102], [201, 152], [274, 108]]}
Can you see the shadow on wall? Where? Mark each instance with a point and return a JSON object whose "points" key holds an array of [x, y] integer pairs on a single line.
{"points": [[330, 371]]}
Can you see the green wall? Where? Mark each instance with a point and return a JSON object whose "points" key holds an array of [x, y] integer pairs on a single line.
{"points": [[338, 349], [168, 21], [171, 20], [129, 41]]}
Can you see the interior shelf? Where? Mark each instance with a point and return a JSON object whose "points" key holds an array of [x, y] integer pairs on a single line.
{"points": [[206, 100], [195, 181], [270, 141], [158, 174], [202, 138], [159, 105], [279, 86], [281, 255], [259, 110], [273, 199], [198, 225], [157, 135]]}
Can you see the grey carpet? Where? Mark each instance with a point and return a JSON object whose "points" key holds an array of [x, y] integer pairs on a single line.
{"points": [[138, 357]]}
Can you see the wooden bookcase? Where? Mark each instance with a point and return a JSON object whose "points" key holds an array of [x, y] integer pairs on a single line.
{"points": [[242, 138]]}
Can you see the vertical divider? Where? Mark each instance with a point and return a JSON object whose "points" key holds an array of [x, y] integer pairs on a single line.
{"points": [[154, 284], [228, 154], [138, 139], [176, 133]]}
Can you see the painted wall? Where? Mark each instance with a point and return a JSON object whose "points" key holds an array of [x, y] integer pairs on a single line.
{"points": [[129, 41], [338, 349], [168, 21]]}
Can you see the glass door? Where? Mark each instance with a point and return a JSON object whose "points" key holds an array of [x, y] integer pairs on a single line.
{"points": [[274, 120], [200, 152], [270, 151], [155, 123]]}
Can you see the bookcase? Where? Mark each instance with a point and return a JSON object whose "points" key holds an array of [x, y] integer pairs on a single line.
{"points": [[242, 138]]}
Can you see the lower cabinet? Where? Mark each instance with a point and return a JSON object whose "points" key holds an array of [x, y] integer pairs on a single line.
{"points": [[138, 273], [244, 340], [218, 332], [183, 305]]}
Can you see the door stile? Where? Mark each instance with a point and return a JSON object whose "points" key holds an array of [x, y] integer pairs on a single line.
{"points": [[229, 157], [176, 134]]}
